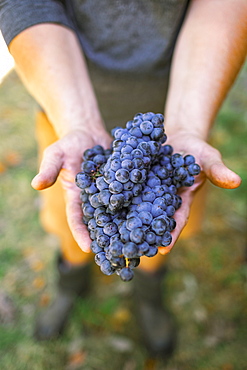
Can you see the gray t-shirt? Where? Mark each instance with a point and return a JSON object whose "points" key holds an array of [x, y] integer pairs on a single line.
{"points": [[128, 45]]}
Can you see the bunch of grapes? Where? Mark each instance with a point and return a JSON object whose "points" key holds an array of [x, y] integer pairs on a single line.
{"points": [[129, 193]]}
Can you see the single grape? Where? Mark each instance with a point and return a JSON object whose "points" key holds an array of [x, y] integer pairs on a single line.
{"points": [[126, 274]]}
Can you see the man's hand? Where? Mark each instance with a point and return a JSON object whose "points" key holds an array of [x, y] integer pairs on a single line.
{"points": [[62, 161], [212, 168]]}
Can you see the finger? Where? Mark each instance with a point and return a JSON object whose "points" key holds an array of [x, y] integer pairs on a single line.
{"points": [[218, 173], [50, 167], [74, 217]]}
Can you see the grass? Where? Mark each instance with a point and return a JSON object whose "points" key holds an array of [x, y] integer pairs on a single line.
{"points": [[205, 289]]}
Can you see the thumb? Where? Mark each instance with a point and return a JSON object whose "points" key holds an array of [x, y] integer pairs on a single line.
{"points": [[217, 172], [50, 167]]}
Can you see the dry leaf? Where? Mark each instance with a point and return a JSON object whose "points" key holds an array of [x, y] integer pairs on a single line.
{"points": [[76, 359], [27, 252], [38, 283], [2, 167], [37, 265], [44, 300], [12, 158], [120, 317]]}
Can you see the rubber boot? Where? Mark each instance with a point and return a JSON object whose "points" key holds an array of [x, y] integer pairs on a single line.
{"points": [[72, 282], [156, 325]]}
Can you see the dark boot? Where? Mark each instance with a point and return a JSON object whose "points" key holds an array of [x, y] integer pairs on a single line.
{"points": [[156, 325], [72, 282]]}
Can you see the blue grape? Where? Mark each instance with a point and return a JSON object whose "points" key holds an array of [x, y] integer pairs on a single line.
{"points": [[188, 181], [135, 131], [104, 196], [117, 145], [144, 206], [146, 127], [136, 190], [107, 268], [95, 248], [177, 160], [102, 219], [135, 175], [170, 210], [143, 248], [156, 210], [145, 217], [83, 180], [118, 132], [152, 251], [194, 169], [150, 237], [122, 175], [126, 149], [115, 187], [137, 235], [110, 228], [159, 226], [103, 240], [94, 200], [189, 159], [99, 159], [125, 235], [92, 189], [157, 133], [88, 167], [88, 210], [133, 223], [126, 274], [116, 248], [109, 176], [115, 164], [127, 164], [99, 258], [132, 141], [130, 250]]}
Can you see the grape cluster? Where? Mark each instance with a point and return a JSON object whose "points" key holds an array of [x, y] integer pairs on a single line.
{"points": [[129, 193]]}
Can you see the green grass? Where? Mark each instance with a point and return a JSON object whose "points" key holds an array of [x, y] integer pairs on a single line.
{"points": [[206, 287]]}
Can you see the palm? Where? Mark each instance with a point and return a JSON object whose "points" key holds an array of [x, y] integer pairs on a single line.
{"points": [[62, 160], [212, 168]]}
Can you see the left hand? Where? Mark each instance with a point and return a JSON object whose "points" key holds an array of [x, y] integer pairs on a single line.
{"points": [[212, 168]]}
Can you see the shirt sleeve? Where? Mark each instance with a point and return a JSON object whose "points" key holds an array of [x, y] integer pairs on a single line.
{"points": [[16, 15]]}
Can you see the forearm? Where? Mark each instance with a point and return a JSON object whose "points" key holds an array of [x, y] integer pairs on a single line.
{"points": [[209, 54], [50, 62]]}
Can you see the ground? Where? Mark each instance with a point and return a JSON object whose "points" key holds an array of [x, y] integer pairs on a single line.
{"points": [[205, 288]]}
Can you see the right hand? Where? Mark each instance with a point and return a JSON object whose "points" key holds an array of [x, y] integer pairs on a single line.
{"points": [[62, 161]]}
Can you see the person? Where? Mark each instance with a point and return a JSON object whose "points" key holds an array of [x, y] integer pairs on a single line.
{"points": [[92, 66]]}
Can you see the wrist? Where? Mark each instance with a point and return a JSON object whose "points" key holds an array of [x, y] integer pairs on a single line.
{"points": [[90, 123], [187, 126]]}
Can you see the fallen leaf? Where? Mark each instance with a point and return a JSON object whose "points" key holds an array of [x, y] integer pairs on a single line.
{"points": [[37, 265], [12, 158], [38, 283], [44, 300], [120, 317], [28, 251], [2, 167], [75, 359], [227, 367]]}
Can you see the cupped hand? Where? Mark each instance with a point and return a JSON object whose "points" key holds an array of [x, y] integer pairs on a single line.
{"points": [[62, 161], [212, 168]]}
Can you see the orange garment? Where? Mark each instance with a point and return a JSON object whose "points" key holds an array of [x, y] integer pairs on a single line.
{"points": [[53, 215]]}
